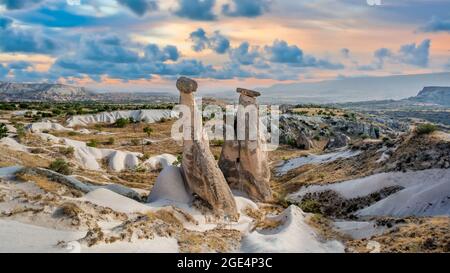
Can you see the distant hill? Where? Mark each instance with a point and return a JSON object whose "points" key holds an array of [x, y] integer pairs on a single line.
{"points": [[17, 92], [41, 92], [353, 89], [434, 94]]}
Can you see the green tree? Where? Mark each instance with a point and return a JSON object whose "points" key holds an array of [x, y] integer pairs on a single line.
{"points": [[122, 122], [148, 130], [426, 128]]}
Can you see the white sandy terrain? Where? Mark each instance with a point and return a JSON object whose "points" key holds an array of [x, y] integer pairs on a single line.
{"points": [[18, 237], [88, 157], [425, 193], [156, 245], [38, 127], [23, 112], [148, 116], [107, 198], [170, 190], [358, 230], [159, 162], [11, 129], [73, 182], [295, 163], [293, 235], [12, 144], [170, 186], [84, 131], [7, 172], [35, 235]]}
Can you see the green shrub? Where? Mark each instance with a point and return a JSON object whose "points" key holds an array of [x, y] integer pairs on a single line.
{"points": [[21, 133], [3, 130], [217, 142], [135, 142], [110, 141], [92, 143], [144, 157], [56, 112], [60, 166], [148, 130], [365, 136], [179, 160], [425, 129], [67, 151], [291, 142], [310, 206], [122, 122]]}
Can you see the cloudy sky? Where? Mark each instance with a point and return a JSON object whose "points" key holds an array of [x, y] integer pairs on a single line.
{"points": [[143, 45]]}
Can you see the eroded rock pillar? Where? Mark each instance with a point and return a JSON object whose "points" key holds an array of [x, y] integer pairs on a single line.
{"points": [[244, 161], [200, 171]]}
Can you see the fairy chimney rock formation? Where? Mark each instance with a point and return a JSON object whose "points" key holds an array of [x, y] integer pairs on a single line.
{"points": [[244, 162], [200, 171], [186, 85], [248, 93]]}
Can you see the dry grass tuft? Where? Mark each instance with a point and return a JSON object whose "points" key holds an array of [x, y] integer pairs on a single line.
{"points": [[267, 223], [70, 210], [216, 240], [41, 181]]}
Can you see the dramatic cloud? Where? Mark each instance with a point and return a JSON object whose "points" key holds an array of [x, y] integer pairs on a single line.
{"points": [[13, 39], [196, 9], [20, 65], [244, 54], [117, 58], [199, 40], [139, 7], [437, 25], [107, 48], [129, 39], [246, 8], [281, 52], [417, 55], [216, 42], [50, 17], [154, 53], [410, 54], [18, 4]]}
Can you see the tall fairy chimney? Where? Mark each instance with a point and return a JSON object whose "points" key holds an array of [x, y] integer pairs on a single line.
{"points": [[200, 171], [244, 161]]}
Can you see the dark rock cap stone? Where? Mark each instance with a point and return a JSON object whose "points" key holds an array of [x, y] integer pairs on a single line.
{"points": [[249, 93], [186, 85]]}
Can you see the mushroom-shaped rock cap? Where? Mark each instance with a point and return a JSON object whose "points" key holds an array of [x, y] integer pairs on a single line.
{"points": [[249, 93], [186, 85]]}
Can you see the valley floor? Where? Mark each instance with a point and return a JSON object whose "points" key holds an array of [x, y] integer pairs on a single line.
{"points": [[123, 194]]}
